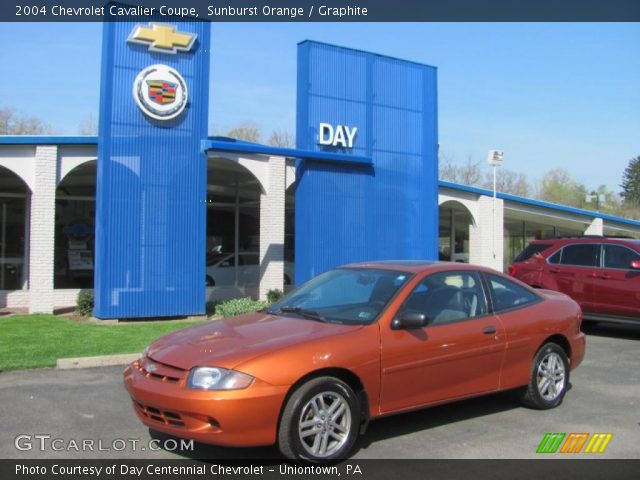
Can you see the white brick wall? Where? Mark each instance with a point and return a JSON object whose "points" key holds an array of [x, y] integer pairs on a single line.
{"points": [[486, 245], [67, 297], [272, 229], [14, 298], [42, 227]]}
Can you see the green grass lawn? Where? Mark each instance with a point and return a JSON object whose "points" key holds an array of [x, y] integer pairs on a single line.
{"points": [[31, 341]]}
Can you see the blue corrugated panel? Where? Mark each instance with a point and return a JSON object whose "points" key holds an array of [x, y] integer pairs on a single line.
{"points": [[150, 219], [389, 210]]}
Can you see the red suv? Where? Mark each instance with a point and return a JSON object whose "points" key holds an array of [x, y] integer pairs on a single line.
{"points": [[602, 274]]}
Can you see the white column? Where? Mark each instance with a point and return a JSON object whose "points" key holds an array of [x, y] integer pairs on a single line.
{"points": [[41, 230], [486, 240], [596, 227], [272, 229]]}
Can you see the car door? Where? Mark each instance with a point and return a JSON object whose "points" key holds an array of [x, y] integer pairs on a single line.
{"points": [[249, 273], [575, 271], [616, 284], [224, 273], [458, 353], [515, 306]]}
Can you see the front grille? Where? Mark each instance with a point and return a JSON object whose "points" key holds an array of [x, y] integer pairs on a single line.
{"points": [[161, 372], [161, 416], [156, 376]]}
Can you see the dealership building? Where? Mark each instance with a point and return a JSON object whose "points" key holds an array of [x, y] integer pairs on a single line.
{"points": [[156, 218]]}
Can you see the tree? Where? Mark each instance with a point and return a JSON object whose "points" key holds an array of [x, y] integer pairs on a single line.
{"points": [[468, 174], [280, 138], [508, 181], [631, 183], [13, 122], [245, 131], [88, 126], [557, 186]]}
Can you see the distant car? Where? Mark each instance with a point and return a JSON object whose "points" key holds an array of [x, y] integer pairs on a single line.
{"points": [[221, 271], [602, 274], [354, 344]]}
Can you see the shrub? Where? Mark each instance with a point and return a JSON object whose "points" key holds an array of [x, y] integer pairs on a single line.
{"points": [[84, 304], [210, 307], [274, 295], [238, 306]]}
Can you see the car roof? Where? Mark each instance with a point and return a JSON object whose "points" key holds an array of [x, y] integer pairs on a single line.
{"points": [[418, 266], [589, 239]]}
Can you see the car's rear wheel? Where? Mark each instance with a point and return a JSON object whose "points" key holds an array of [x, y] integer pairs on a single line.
{"points": [[210, 281], [287, 280], [549, 378], [320, 421]]}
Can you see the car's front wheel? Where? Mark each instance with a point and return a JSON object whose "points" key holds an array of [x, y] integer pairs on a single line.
{"points": [[549, 378], [320, 421]]}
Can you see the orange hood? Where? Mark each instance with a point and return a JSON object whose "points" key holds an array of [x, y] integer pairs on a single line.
{"points": [[231, 341]]}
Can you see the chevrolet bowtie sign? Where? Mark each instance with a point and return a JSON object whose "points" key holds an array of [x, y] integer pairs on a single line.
{"points": [[162, 38]]}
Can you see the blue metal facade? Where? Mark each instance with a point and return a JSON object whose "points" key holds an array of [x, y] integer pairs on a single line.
{"points": [[386, 210], [150, 218]]}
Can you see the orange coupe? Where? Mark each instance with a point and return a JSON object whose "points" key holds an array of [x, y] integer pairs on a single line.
{"points": [[354, 344]]}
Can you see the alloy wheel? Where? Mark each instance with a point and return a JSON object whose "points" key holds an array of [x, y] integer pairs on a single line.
{"points": [[325, 424]]}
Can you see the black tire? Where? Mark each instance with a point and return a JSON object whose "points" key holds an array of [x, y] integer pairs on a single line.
{"points": [[294, 446], [287, 280], [550, 364], [210, 281]]}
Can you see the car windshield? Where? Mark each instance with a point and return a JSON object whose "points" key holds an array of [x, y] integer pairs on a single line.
{"points": [[353, 296], [213, 258]]}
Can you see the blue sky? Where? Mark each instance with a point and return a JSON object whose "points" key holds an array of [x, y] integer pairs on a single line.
{"points": [[549, 95]]}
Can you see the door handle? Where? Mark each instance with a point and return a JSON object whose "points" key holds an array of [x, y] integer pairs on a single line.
{"points": [[490, 330], [554, 270], [605, 277]]}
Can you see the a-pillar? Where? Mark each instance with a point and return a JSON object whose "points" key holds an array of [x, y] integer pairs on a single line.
{"points": [[41, 230], [486, 237], [272, 217]]}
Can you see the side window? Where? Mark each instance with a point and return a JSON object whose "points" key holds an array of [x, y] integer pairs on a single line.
{"points": [[447, 297], [229, 262], [507, 294], [248, 259], [616, 256], [584, 254], [555, 258]]}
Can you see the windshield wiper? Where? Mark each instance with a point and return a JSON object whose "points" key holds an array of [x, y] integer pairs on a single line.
{"points": [[310, 314]]}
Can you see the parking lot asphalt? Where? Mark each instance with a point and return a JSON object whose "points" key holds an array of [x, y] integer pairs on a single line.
{"points": [[73, 405]]}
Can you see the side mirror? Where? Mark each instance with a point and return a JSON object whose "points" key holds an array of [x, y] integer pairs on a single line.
{"points": [[635, 265], [409, 321]]}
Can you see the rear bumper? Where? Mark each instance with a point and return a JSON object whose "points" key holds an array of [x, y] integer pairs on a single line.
{"points": [[237, 418]]}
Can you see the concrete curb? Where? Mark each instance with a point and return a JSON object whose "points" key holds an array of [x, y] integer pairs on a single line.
{"points": [[101, 361]]}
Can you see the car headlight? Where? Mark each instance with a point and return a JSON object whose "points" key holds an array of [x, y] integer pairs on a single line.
{"points": [[145, 352], [216, 378]]}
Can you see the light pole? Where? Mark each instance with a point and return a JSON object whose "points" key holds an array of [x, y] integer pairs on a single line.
{"points": [[596, 197], [495, 160]]}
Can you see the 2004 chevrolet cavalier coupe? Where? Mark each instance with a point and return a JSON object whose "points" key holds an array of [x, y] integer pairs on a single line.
{"points": [[354, 344]]}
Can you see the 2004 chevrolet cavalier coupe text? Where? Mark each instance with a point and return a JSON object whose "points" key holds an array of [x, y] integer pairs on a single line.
{"points": [[354, 344]]}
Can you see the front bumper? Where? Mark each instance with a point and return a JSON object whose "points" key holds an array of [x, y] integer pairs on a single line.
{"points": [[235, 418]]}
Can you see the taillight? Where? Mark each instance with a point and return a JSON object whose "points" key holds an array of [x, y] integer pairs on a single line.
{"points": [[512, 270]]}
